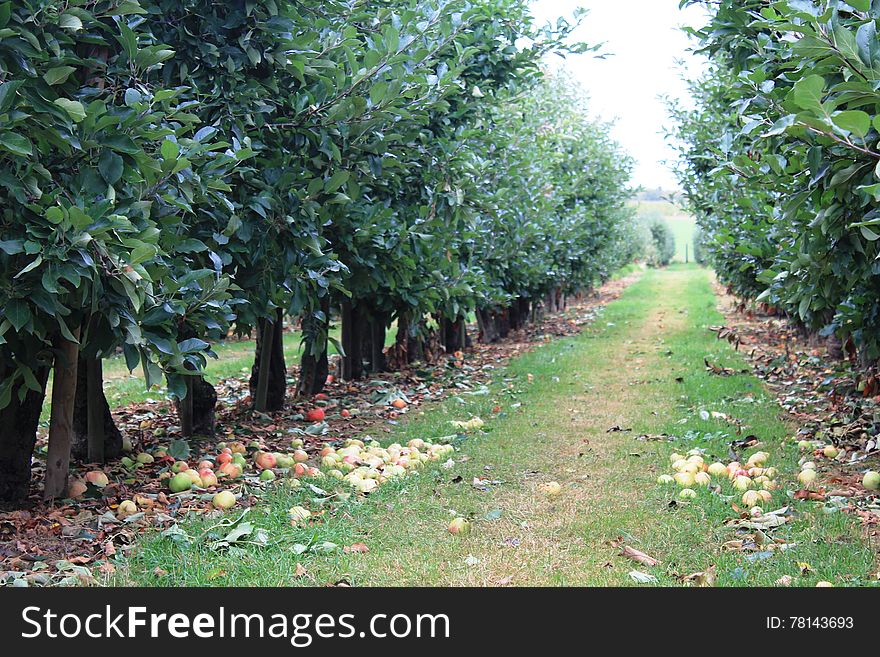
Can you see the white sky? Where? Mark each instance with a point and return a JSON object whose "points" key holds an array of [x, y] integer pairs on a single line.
{"points": [[644, 45]]}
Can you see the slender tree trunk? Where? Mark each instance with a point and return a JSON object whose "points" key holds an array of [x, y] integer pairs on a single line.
{"points": [[185, 409], [454, 334], [92, 418], [488, 326], [314, 369], [95, 410], [61, 418], [377, 344], [276, 390], [18, 435], [267, 333], [352, 341]]}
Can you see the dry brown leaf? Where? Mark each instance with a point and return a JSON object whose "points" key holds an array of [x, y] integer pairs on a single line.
{"points": [[638, 556], [356, 548]]}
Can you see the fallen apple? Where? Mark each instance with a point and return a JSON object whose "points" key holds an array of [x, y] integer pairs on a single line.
{"points": [[179, 466], [687, 493], [765, 495], [97, 478], [758, 458], [718, 469], [265, 460], [315, 415], [751, 498], [830, 451], [702, 479], [550, 488], [665, 479], [76, 488], [144, 458], [684, 479], [398, 403], [871, 480], [126, 508], [180, 482], [804, 445], [742, 483], [223, 500], [809, 465], [807, 477], [459, 526], [267, 475], [300, 456], [298, 513], [296, 443], [224, 457], [208, 478]]}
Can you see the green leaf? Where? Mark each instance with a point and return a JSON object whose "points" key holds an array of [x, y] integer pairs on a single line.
{"points": [[74, 108], [854, 121], [336, 181], [70, 22], [869, 234], [12, 247], [7, 94], [859, 5], [16, 144], [58, 74], [18, 313], [110, 166], [807, 92], [169, 150]]}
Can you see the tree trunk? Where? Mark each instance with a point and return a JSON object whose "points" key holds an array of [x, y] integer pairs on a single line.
{"points": [[198, 414], [377, 344], [185, 409], [415, 345], [61, 419], [18, 435], [314, 369], [276, 383], [488, 326], [264, 364], [352, 341], [502, 320], [92, 419], [454, 334]]}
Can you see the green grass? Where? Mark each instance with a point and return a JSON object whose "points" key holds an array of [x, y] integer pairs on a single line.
{"points": [[623, 372], [234, 359]]}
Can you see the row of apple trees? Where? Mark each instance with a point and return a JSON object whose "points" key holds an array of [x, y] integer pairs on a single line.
{"points": [[172, 171], [780, 160]]}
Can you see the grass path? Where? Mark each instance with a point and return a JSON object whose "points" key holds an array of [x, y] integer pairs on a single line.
{"points": [[638, 368]]}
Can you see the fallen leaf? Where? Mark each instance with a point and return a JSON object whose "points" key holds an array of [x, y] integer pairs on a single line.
{"points": [[640, 557]]}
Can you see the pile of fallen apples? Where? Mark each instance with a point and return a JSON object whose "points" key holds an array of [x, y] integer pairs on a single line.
{"points": [[364, 466], [753, 479]]}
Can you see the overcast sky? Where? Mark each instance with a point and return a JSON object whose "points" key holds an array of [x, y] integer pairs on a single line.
{"points": [[644, 43]]}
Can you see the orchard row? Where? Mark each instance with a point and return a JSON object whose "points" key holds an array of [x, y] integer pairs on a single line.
{"points": [[781, 161], [174, 171]]}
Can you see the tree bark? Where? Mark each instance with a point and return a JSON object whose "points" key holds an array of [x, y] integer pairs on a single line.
{"points": [[454, 334], [185, 409], [377, 344], [18, 435], [91, 411], [314, 369], [264, 364], [276, 390], [61, 419], [352, 341], [488, 326]]}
